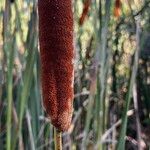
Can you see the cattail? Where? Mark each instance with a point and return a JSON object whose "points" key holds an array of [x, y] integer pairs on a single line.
{"points": [[117, 9], [85, 11], [56, 51]]}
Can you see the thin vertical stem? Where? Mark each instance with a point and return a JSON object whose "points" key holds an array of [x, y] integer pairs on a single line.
{"points": [[121, 141], [10, 59], [58, 139], [138, 126]]}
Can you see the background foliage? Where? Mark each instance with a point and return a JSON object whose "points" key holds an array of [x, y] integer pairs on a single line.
{"points": [[112, 78]]}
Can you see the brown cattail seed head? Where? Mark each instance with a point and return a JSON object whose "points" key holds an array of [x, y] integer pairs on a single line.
{"points": [[117, 9], [56, 51], [84, 14]]}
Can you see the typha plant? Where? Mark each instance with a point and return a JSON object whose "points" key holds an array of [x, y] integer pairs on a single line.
{"points": [[117, 8], [56, 51], [85, 11]]}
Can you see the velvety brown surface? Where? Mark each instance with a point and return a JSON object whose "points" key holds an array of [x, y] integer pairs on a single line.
{"points": [[56, 51]]}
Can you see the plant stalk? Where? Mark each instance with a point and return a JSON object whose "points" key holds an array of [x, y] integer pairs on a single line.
{"points": [[58, 139]]}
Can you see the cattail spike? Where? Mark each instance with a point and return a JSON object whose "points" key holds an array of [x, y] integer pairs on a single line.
{"points": [[85, 11], [56, 51], [117, 9]]}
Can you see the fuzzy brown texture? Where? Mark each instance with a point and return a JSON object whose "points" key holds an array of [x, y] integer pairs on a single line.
{"points": [[56, 51], [117, 9], [85, 11]]}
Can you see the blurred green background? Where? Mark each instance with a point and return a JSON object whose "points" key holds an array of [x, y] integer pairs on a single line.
{"points": [[112, 78]]}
